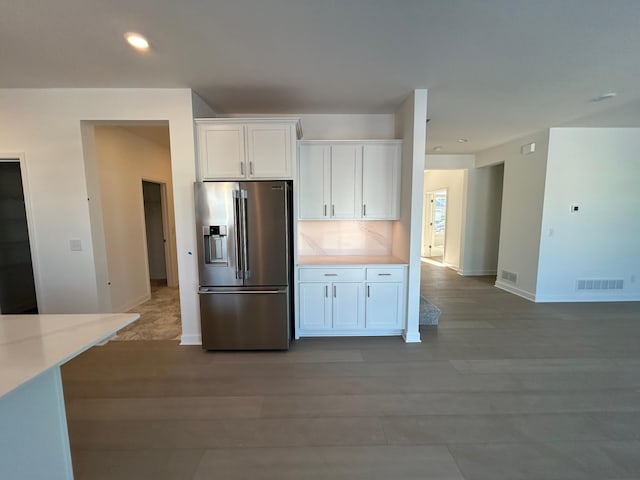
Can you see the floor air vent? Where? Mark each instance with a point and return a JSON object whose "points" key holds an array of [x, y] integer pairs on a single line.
{"points": [[509, 276], [600, 284]]}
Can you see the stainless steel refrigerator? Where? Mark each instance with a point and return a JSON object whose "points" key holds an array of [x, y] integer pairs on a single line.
{"points": [[244, 260]]}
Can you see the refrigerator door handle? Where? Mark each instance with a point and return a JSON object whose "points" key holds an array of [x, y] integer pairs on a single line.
{"points": [[206, 291], [245, 236], [238, 234]]}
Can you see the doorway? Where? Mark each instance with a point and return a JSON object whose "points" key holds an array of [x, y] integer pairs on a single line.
{"points": [[17, 283], [434, 225], [155, 219]]}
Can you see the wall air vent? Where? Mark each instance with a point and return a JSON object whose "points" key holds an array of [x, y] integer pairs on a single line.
{"points": [[509, 276], [599, 284]]}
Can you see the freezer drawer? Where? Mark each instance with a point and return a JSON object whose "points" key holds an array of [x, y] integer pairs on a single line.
{"points": [[244, 319]]}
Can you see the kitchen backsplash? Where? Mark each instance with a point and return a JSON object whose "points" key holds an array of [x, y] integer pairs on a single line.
{"points": [[344, 238]]}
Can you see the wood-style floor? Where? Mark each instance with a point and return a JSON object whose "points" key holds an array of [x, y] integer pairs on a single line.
{"points": [[502, 389]]}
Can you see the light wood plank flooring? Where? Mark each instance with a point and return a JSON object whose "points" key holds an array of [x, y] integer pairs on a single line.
{"points": [[502, 389]]}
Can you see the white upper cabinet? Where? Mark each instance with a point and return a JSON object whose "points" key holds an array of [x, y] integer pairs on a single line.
{"points": [[237, 149], [221, 151], [380, 181], [346, 190], [269, 150], [314, 183], [349, 180]]}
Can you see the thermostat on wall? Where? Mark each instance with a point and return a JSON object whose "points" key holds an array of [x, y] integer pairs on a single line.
{"points": [[574, 208], [527, 149]]}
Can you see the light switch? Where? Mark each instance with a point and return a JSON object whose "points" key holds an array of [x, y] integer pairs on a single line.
{"points": [[75, 245], [574, 208]]}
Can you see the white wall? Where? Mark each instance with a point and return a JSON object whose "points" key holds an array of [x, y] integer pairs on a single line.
{"points": [[454, 182], [124, 160], [347, 127], [45, 124], [339, 126], [410, 125], [449, 162], [481, 220], [522, 201], [599, 170], [200, 108]]}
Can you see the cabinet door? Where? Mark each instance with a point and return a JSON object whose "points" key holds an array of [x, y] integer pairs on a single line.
{"points": [[221, 151], [380, 181], [383, 305], [315, 306], [348, 305], [346, 181], [269, 151], [313, 173]]}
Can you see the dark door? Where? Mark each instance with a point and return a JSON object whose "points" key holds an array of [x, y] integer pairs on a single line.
{"points": [[17, 286]]}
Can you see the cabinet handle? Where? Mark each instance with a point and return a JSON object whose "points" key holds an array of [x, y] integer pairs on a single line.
{"points": [[251, 168], [325, 210], [364, 210], [241, 168], [330, 274], [384, 274], [334, 291], [333, 210], [326, 291], [368, 290]]}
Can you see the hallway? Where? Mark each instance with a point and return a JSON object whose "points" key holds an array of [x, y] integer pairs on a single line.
{"points": [[159, 316], [503, 389]]}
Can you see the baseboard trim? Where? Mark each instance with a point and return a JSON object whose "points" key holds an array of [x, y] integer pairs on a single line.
{"points": [[516, 291], [411, 337], [586, 299], [191, 339]]}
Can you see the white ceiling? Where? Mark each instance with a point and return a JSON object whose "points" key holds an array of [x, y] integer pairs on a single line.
{"points": [[495, 69]]}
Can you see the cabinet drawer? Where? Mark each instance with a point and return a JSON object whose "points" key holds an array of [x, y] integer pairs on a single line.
{"points": [[388, 274], [331, 274]]}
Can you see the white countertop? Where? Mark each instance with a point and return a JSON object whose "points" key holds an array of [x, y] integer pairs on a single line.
{"points": [[350, 260], [32, 344]]}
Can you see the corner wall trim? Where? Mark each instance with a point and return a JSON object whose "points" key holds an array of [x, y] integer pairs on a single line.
{"points": [[191, 339], [516, 291], [411, 337]]}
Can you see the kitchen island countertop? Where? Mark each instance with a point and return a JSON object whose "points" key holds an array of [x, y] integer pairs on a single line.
{"points": [[34, 440]]}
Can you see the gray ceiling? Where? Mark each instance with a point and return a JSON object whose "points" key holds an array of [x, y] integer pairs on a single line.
{"points": [[495, 69]]}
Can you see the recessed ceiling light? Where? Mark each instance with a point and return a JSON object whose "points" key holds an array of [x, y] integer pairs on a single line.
{"points": [[137, 41], [604, 96], [437, 148], [463, 140]]}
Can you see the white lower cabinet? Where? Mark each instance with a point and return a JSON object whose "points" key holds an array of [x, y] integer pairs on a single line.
{"points": [[315, 306], [384, 305], [348, 303], [335, 301]]}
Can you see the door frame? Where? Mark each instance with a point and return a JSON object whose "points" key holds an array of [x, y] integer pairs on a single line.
{"points": [[426, 219], [26, 188], [428, 214], [169, 248], [446, 218]]}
